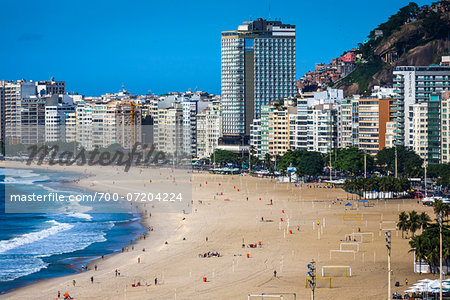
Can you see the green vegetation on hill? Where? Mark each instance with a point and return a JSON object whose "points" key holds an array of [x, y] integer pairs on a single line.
{"points": [[411, 27]]}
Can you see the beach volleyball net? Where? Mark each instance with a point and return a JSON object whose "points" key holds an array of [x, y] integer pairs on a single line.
{"points": [[351, 218], [321, 282], [336, 271]]}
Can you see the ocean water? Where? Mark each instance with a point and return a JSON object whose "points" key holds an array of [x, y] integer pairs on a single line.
{"points": [[58, 240]]}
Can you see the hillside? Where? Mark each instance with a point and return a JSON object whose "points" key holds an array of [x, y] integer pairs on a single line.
{"points": [[414, 36]]}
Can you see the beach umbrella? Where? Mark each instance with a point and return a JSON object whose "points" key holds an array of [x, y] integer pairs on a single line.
{"points": [[364, 201], [348, 204]]}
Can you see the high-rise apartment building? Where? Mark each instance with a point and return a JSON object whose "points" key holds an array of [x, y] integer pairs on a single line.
{"points": [[427, 129], [322, 128], [300, 135], [415, 85], [445, 127], [209, 129], [2, 111], [169, 137], [56, 109], [24, 101], [348, 115], [191, 107], [32, 120], [84, 124], [258, 67], [373, 115]]}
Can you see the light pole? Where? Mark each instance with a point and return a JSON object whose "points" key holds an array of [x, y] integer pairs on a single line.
{"points": [[250, 161], [312, 274], [426, 184], [440, 254], [365, 164], [388, 246], [396, 161], [331, 175]]}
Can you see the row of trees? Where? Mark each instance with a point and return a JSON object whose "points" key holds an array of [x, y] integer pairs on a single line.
{"points": [[349, 161], [426, 245], [412, 222], [378, 184]]}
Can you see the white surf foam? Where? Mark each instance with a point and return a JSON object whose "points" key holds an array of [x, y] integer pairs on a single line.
{"points": [[33, 236]]}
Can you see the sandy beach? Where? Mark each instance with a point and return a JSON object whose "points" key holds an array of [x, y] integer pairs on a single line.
{"points": [[222, 220]]}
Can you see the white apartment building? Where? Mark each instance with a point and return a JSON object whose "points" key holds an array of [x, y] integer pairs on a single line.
{"points": [[57, 109], [415, 85], [255, 138], [209, 130], [445, 127], [169, 138], [390, 135], [84, 124], [420, 129], [322, 128]]}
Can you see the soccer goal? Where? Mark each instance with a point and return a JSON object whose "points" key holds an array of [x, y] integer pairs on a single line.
{"points": [[351, 217], [344, 251], [388, 225], [321, 282], [281, 296], [362, 237], [344, 271], [353, 244]]}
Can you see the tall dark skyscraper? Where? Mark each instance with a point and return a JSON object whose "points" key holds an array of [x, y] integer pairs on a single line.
{"points": [[258, 67]]}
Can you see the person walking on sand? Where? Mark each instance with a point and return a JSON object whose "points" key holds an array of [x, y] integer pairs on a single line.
{"points": [[92, 279], [275, 273], [156, 281], [95, 267], [59, 294], [116, 272], [74, 282]]}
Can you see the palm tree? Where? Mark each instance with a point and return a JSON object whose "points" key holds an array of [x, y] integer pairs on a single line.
{"points": [[440, 208], [267, 160], [424, 220], [403, 223], [413, 222], [433, 253], [420, 245]]}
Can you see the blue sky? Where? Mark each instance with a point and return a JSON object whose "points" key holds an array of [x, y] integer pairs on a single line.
{"points": [[162, 46]]}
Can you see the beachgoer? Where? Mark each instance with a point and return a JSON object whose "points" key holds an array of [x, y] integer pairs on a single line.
{"points": [[156, 281], [206, 238], [59, 294], [116, 272], [92, 279], [275, 273], [74, 282], [139, 259], [95, 267], [406, 281]]}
